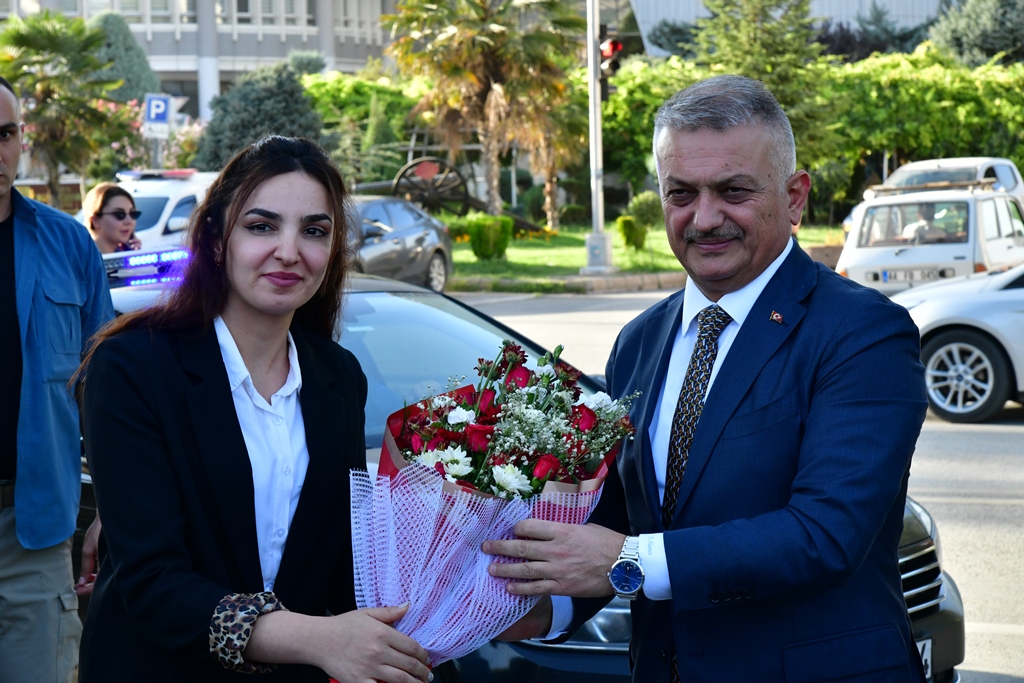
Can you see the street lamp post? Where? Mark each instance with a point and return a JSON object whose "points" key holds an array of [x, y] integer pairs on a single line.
{"points": [[599, 243]]}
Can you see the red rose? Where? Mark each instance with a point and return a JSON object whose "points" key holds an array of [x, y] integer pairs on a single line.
{"points": [[547, 465], [436, 443], [519, 376], [417, 443], [478, 436], [583, 418], [486, 404], [439, 466]]}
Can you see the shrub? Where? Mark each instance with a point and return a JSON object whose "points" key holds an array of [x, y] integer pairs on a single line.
{"points": [[458, 226], [489, 235], [574, 213], [533, 201], [633, 233], [524, 181], [646, 209]]}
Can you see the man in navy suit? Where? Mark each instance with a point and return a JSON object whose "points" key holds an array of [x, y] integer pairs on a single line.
{"points": [[779, 408]]}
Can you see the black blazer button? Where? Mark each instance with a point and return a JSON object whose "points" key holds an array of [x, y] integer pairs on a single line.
{"points": [[714, 597], [664, 656], [737, 594], [748, 594]]}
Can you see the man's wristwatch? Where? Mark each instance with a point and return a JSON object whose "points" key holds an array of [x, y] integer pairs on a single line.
{"points": [[626, 575]]}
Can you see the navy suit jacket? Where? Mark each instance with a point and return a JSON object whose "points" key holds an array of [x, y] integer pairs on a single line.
{"points": [[175, 493], [783, 550]]}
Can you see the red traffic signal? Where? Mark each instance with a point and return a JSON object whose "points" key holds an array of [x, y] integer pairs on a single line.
{"points": [[610, 48]]}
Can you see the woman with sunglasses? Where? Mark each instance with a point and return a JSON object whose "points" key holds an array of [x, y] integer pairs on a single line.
{"points": [[110, 214]]}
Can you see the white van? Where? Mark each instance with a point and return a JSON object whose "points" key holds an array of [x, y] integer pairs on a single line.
{"points": [[903, 240], [166, 198]]}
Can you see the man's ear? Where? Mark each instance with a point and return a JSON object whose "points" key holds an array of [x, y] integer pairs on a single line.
{"points": [[798, 188]]}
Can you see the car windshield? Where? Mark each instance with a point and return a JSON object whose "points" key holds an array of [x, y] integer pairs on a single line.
{"points": [[906, 178], [913, 224], [152, 208], [409, 344]]}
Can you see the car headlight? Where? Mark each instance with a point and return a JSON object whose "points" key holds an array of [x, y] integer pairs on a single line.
{"points": [[929, 525]]}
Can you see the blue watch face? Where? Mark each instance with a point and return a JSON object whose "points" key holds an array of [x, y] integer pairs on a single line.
{"points": [[626, 576]]}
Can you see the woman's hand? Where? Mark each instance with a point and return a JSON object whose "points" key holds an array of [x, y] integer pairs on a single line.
{"points": [[90, 558], [368, 648], [355, 647]]}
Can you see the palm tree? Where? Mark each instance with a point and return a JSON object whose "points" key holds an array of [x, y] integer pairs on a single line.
{"points": [[489, 60], [558, 136], [52, 60]]}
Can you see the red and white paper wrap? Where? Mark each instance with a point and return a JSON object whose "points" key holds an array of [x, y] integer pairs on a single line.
{"points": [[416, 538]]}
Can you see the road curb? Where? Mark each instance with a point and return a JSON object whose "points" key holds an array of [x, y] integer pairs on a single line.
{"points": [[573, 284]]}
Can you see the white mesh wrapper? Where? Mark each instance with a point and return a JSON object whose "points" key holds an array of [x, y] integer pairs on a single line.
{"points": [[417, 540]]}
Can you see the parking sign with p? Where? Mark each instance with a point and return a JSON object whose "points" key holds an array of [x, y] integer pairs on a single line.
{"points": [[156, 122]]}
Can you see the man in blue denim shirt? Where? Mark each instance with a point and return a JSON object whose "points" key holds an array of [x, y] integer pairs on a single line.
{"points": [[53, 297]]}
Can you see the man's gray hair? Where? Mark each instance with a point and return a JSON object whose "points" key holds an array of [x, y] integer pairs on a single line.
{"points": [[723, 102]]}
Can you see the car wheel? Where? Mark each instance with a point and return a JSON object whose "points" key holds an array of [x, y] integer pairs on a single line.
{"points": [[437, 272], [967, 376]]}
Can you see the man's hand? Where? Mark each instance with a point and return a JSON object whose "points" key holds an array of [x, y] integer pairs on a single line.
{"points": [[90, 558], [561, 559]]}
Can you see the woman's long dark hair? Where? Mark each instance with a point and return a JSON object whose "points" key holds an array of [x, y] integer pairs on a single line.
{"points": [[202, 293]]}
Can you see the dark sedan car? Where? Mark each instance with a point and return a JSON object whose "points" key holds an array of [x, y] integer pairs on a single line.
{"points": [[397, 239], [410, 341]]}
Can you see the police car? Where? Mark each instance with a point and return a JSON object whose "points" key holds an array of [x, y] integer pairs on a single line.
{"points": [[166, 198]]}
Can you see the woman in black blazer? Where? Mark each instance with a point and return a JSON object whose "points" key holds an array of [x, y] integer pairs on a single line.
{"points": [[220, 428]]}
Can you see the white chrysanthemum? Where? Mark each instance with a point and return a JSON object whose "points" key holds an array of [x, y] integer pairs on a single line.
{"points": [[509, 478], [597, 401], [545, 370], [459, 416], [456, 461]]}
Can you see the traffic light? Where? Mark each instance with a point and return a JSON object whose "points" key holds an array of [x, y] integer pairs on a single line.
{"points": [[610, 47]]}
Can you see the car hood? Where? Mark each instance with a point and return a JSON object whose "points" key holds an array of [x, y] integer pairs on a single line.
{"points": [[957, 286]]}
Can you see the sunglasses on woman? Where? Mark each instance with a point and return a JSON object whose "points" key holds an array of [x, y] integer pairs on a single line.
{"points": [[120, 214]]}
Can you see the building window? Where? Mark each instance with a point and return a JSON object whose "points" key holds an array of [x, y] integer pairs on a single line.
{"points": [[68, 7], [268, 8], [243, 13], [188, 16], [160, 11], [131, 10]]}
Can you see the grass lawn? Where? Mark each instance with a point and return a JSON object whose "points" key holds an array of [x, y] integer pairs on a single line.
{"points": [[538, 257]]}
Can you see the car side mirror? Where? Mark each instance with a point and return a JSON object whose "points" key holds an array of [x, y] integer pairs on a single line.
{"points": [[373, 229], [177, 224]]}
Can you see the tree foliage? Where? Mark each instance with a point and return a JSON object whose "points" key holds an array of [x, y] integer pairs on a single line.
{"points": [[873, 33], [128, 62], [976, 31], [489, 61], [52, 60], [674, 37], [267, 101], [773, 41]]}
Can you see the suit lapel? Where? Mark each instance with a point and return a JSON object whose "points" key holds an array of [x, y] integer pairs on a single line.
{"points": [[223, 452], [659, 334], [758, 340], [330, 457]]}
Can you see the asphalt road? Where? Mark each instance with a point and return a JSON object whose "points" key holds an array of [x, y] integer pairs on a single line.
{"points": [[970, 477]]}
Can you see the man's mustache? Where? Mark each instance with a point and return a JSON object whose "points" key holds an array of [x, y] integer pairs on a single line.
{"points": [[726, 232]]}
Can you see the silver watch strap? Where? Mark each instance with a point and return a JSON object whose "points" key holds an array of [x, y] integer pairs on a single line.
{"points": [[630, 549]]}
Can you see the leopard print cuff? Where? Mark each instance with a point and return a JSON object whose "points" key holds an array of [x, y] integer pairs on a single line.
{"points": [[231, 628]]}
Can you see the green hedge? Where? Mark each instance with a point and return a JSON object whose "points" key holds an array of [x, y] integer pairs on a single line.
{"points": [[489, 235], [633, 233]]}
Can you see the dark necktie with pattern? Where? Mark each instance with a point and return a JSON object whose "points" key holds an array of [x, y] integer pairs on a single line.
{"points": [[710, 323]]}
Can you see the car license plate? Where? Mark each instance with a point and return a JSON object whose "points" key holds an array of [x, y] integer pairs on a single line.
{"points": [[924, 647], [910, 275]]}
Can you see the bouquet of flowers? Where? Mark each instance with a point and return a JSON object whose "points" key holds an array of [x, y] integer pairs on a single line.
{"points": [[466, 466]]}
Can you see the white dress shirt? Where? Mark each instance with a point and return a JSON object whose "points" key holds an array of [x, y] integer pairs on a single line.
{"points": [[652, 546], [275, 437]]}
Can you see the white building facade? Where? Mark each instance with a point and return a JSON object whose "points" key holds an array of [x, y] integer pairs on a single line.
{"points": [[196, 46]]}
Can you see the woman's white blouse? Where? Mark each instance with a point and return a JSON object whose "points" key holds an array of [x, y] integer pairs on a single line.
{"points": [[275, 437]]}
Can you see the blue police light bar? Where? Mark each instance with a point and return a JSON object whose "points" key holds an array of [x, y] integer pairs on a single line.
{"points": [[123, 260], [138, 281]]}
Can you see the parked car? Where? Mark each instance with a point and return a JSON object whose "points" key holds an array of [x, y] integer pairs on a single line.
{"points": [[904, 240], [166, 198], [972, 342], [397, 239], [1002, 172], [410, 341]]}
